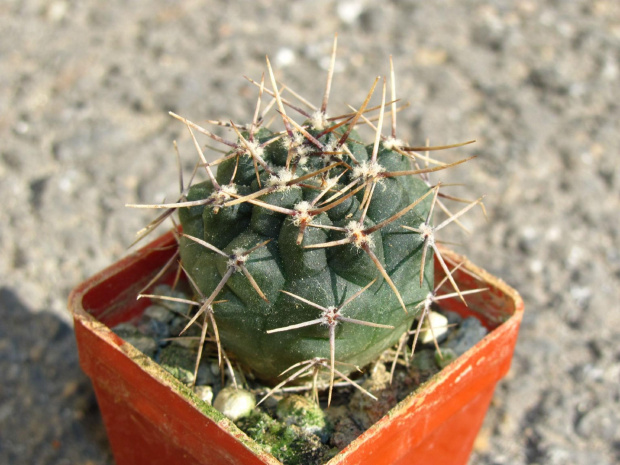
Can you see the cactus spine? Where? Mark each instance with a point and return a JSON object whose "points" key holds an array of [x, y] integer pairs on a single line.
{"points": [[307, 248]]}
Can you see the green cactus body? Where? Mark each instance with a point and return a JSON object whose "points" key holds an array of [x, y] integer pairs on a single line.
{"points": [[326, 276]]}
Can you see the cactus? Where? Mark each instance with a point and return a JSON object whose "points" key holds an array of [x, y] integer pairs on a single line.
{"points": [[308, 249]]}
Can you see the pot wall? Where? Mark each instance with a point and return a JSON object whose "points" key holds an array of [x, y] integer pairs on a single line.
{"points": [[150, 418]]}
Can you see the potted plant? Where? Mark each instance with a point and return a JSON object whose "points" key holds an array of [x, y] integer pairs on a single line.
{"points": [[310, 254]]}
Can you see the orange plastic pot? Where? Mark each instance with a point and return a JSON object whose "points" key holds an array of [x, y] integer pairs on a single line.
{"points": [[153, 419]]}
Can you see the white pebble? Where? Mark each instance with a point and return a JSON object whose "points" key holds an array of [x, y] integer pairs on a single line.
{"points": [[204, 393], [537, 266], [57, 11], [349, 11], [285, 57], [438, 322], [235, 403]]}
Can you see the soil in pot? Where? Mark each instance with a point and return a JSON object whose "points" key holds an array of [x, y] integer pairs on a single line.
{"points": [[288, 423]]}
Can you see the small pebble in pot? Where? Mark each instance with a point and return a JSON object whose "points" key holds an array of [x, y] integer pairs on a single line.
{"points": [[439, 323], [445, 358], [235, 403], [301, 411], [467, 336], [204, 393]]}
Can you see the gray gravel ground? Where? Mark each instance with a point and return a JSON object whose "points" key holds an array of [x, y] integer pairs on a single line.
{"points": [[85, 88]]}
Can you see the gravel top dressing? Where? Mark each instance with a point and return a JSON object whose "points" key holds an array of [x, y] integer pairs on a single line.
{"points": [[288, 423]]}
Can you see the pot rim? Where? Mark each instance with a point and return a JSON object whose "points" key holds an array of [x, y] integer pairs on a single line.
{"points": [[458, 371]]}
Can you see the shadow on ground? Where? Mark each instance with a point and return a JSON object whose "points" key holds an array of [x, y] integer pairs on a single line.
{"points": [[48, 410]]}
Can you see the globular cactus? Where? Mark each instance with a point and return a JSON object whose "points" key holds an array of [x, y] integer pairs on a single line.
{"points": [[308, 248]]}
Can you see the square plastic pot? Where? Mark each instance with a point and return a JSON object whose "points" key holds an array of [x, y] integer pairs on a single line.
{"points": [[152, 418]]}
